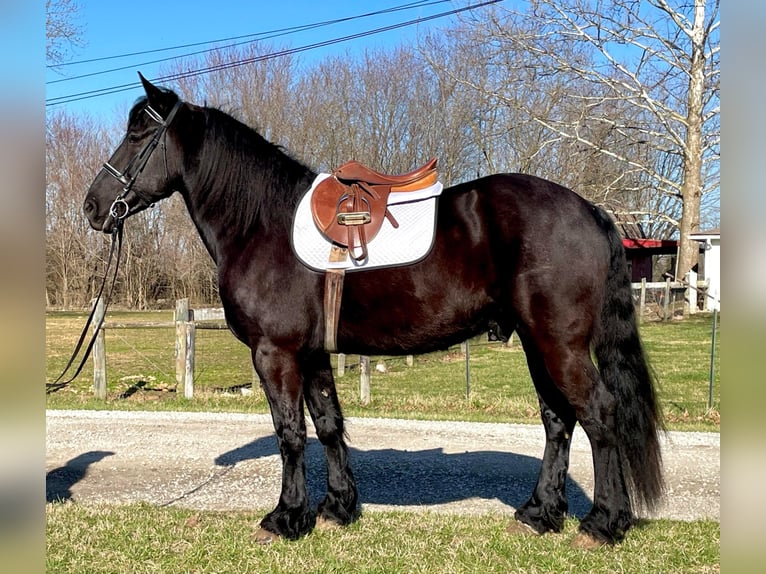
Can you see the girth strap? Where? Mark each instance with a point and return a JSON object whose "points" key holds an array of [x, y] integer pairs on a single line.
{"points": [[333, 293]]}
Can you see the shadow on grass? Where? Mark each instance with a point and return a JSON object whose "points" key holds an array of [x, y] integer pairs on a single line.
{"points": [[132, 390], [423, 477]]}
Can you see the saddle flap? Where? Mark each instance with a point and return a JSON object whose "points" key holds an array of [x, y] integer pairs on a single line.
{"points": [[346, 216], [324, 202], [349, 207]]}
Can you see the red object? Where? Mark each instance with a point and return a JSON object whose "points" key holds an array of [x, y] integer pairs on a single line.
{"points": [[630, 243]]}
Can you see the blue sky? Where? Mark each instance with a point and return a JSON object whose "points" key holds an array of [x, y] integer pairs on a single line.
{"points": [[112, 27]]}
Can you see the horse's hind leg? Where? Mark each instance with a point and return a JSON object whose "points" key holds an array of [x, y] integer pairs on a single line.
{"points": [[571, 367], [339, 505], [546, 510], [611, 515]]}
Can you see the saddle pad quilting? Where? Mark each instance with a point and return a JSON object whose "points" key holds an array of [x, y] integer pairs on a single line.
{"points": [[414, 211]]}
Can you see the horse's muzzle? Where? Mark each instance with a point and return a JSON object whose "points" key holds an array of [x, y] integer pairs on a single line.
{"points": [[97, 221]]}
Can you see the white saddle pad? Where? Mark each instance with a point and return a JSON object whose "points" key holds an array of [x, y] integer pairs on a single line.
{"points": [[415, 211]]}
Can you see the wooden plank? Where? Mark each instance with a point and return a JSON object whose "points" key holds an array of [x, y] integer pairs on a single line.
{"points": [[467, 369], [181, 317], [140, 325], [659, 284], [208, 314], [364, 379], [212, 326], [189, 364], [99, 354], [666, 313], [691, 292]]}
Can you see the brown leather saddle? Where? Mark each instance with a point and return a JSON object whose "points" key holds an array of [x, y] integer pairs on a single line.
{"points": [[349, 207]]}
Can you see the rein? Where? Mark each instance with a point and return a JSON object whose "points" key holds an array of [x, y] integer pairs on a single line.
{"points": [[115, 247], [119, 211]]}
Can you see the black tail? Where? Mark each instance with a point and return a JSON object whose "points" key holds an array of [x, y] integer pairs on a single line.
{"points": [[625, 372]]}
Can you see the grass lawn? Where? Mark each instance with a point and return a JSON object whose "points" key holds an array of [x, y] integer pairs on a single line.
{"points": [[141, 375], [101, 539]]}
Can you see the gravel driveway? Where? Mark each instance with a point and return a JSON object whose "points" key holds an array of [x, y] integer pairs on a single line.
{"points": [[219, 461]]}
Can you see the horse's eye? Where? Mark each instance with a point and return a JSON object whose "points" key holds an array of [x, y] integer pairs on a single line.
{"points": [[134, 138]]}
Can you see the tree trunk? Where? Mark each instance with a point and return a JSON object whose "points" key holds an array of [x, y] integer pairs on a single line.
{"points": [[688, 252], [65, 290]]}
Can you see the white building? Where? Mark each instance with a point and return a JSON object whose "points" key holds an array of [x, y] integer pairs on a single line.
{"points": [[711, 268]]}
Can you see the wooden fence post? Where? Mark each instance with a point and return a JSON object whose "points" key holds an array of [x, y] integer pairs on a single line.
{"points": [[189, 360], [99, 354], [341, 364], [666, 314], [691, 291], [181, 318], [642, 300], [364, 379], [410, 360], [467, 368]]}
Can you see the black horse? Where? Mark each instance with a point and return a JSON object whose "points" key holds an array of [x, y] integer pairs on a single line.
{"points": [[525, 253]]}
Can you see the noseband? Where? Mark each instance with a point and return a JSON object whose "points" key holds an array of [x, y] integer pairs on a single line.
{"points": [[119, 209]]}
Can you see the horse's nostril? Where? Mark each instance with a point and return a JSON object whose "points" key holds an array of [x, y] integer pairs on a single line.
{"points": [[89, 207]]}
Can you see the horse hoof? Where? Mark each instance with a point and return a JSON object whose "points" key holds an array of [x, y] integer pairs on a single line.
{"points": [[263, 536], [585, 541], [517, 527], [323, 523]]}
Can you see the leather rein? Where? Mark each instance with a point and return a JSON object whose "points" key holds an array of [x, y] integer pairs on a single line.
{"points": [[119, 211]]}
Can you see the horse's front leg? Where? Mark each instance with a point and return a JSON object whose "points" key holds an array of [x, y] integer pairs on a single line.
{"points": [[281, 380], [339, 506]]}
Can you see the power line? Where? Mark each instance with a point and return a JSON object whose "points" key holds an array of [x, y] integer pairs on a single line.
{"points": [[247, 37], [220, 67]]}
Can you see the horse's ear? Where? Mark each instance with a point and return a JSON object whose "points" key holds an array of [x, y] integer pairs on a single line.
{"points": [[155, 95], [152, 91]]}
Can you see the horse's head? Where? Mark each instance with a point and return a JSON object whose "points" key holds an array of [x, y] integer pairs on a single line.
{"points": [[143, 168]]}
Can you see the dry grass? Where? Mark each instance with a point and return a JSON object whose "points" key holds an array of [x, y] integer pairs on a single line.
{"points": [[141, 538]]}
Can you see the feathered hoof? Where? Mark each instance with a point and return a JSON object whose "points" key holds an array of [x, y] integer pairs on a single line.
{"points": [[325, 524], [263, 536], [585, 541], [519, 528]]}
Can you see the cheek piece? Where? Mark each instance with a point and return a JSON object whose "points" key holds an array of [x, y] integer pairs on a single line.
{"points": [[120, 209]]}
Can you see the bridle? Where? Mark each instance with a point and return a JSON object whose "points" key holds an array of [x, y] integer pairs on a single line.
{"points": [[119, 211]]}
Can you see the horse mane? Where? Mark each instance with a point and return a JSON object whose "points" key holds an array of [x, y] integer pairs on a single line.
{"points": [[245, 180]]}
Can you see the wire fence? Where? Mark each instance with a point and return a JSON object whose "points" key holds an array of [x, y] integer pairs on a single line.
{"points": [[654, 301], [667, 300]]}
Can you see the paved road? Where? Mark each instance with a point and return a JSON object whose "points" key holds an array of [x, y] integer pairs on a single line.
{"points": [[230, 461]]}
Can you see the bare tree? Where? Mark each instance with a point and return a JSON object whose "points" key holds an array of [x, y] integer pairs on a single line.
{"points": [[647, 77], [74, 148], [342, 108], [62, 30], [491, 98], [366, 109], [498, 98], [254, 93]]}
